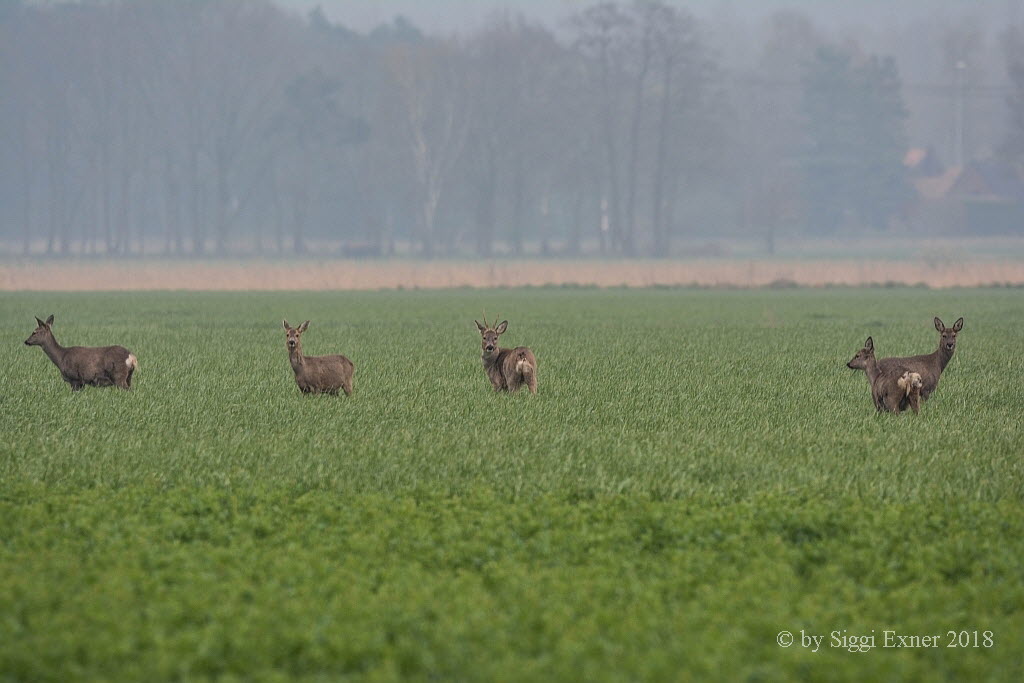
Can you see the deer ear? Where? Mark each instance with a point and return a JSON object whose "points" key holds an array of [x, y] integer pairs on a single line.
{"points": [[286, 325], [479, 326], [302, 328], [500, 329], [49, 321], [39, 322], [958, 325], [939, 325], [869, 344]]}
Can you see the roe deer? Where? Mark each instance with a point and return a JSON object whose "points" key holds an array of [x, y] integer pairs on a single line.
{"points": [[929, 365], [98, 366], [508, 369], [911, 384], [884, 393], [317, 374]]}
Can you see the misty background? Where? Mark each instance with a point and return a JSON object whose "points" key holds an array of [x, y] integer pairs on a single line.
{"points": [[459, 129]]}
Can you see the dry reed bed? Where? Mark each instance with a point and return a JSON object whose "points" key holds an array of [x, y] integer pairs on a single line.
{"points": [[373, 275]]}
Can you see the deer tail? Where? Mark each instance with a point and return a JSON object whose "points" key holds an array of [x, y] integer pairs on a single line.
{"points": [[524, 366]]}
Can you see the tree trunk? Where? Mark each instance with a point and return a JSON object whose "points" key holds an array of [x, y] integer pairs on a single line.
{"points": [[173, 204], [518, 201], [195, 203], [26, 206], [279, 212], [629, 228], [123, 217], [223, 198], [485, 207], [299, 225], [576, 229], [105, 203], [661, 242], [612, 226]]}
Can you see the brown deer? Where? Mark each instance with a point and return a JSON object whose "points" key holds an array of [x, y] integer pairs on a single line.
{"points": [[911, 384], [317, 374], [929, 365], [98, 366], [508, 369], [884, 393]]}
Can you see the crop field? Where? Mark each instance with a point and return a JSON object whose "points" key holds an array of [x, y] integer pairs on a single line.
{"points": [[699, 473]]}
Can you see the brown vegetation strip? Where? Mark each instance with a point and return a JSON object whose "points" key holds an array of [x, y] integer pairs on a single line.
{"points": [[363, 275]]}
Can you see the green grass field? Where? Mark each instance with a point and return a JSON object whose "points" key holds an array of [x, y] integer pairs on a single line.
{"points": [[699, 472]]}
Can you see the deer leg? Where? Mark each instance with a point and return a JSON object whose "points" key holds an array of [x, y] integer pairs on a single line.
{"points": [[533, 384], [347, 386], [896, 402], [76, 386]]}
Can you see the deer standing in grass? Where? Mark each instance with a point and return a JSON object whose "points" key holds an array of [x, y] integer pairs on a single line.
{"points": [[885, 375], [98, 366], [317, 374], [508, 369], [884, 394], [928, 365]]}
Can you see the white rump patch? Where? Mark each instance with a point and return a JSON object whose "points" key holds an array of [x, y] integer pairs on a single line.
{"points": [[131, 361]]}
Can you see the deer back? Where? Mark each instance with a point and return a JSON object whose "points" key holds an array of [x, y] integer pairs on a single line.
{"points": [[325, 373]]}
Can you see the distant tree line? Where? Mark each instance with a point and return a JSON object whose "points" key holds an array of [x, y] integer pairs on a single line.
{"points": [[218, 127]]}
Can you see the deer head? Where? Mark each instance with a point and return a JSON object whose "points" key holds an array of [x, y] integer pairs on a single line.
{"points": [[292, 334], [42, 333], [489, 335], [860, 359], [947, 335]]}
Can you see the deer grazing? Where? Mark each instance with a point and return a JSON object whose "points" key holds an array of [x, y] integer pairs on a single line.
{"points": [[317, 374], [911, 384], [98, 366], [508, 369]]}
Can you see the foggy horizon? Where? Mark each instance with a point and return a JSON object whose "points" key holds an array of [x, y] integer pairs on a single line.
{"points": [[462, 16], [466, 130]]}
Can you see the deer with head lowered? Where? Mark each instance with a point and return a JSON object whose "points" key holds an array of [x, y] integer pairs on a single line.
{"points": [[98, 366], [317, 374], [508, 369]]}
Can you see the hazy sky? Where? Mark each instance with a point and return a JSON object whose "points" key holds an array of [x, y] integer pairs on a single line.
{"points": [[431, 15], [446, 16]]}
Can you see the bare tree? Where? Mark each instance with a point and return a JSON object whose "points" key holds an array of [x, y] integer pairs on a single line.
{"points": [[601, 32], [432, 82]]}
